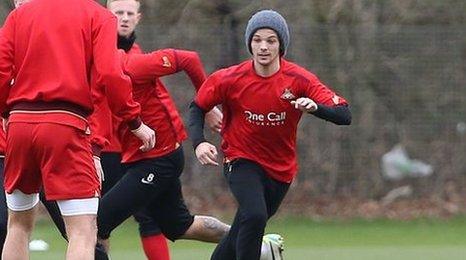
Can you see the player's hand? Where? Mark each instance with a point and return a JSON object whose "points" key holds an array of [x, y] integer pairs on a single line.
{"points": [[213, 119], [206, 153], [305, 104], [147, 136], [98, 168]]}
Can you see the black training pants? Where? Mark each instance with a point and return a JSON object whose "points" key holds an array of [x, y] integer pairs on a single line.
{"points": [[151, 187], [258, 197]]}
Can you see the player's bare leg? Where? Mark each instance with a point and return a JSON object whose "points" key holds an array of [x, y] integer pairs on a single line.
{"points": [[206, 229], [82, 236], [20, 226], [210, 229]]}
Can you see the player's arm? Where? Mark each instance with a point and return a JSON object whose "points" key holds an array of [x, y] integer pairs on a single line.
{"points": [[147, 67], [99, 119], [338, 114], [196, 124], [209, 95], [165, 62], [110, 74], [118, 86], [191, 64], [6, 60], [323, 103]]}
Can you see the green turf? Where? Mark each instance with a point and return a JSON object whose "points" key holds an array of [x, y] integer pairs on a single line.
{"points": [[304, 239]]}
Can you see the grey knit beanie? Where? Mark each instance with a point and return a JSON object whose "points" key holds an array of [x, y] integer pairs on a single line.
{"points": [[271, 20]]}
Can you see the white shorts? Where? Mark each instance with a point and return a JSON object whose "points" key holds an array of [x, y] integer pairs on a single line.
{"points": [[19, 201], [77, 207]]}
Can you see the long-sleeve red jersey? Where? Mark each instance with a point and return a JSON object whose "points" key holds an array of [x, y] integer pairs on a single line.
{"points": [[51, 56], [102, 122], [259, 122], [159, 111]]}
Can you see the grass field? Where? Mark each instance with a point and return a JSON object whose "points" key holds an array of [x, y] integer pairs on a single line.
{"points": [[304, 239]]}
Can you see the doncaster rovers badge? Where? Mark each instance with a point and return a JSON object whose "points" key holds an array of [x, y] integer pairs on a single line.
{"points": [[287, 95]]}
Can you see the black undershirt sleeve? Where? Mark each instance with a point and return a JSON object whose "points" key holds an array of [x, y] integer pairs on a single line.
{"points": [[196, 124], [340, 115]]}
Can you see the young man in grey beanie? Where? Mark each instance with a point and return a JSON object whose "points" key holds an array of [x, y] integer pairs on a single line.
{"points": [[263, 100]]}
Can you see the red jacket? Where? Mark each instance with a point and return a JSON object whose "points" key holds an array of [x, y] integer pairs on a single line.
{"points": [[104, 125], [158, 109], [49, 48], [102, 120]]}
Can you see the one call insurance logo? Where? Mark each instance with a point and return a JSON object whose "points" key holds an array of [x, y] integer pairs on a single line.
{"points": [[269, 119]]}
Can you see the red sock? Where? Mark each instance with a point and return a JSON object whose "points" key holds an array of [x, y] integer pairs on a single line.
{"points": [[156, 247]]}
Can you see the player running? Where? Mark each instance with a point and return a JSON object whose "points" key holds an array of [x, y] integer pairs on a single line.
{"points": [[262, 101], [151, 189], [166, 210]]}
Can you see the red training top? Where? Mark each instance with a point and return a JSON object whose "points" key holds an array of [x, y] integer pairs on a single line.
{"points": [[49, 47], [259, 123], [114, 122], [159, 111], [101, 121]]}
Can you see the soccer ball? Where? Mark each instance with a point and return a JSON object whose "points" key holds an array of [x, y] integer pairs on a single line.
{"points": [[272, 247]]}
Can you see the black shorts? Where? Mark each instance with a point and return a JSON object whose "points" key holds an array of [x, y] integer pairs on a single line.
{"points": [[167, 211], [151, 191], [168, 215], [113, 172]]}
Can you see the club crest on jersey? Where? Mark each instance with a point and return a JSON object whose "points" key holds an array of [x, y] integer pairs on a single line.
{"points": [[287, 95], [166, 62], [336, 99]]}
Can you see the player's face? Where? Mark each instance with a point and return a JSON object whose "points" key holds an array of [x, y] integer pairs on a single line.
{"points": [[127, 12], [265, 47], [18, 3]]}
